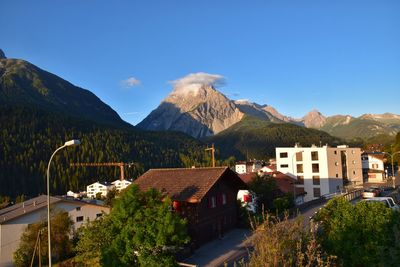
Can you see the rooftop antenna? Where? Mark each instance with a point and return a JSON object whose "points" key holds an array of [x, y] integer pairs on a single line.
{"points": [[212, 153]]}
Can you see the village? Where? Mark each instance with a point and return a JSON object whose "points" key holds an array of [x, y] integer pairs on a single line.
{"points": [[208, 197]]}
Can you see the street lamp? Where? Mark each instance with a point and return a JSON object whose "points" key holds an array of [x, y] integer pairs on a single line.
{"points": [[393, 176], [293, 170], [68, 143]]}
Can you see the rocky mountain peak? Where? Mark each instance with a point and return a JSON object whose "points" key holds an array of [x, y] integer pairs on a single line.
{"points": [[2, 55], [314, 119], [195, 107]]}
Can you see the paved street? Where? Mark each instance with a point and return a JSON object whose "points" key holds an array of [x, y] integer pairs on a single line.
{"points": [[216, 252]]}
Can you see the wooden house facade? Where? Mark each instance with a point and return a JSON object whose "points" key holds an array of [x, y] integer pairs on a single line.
{"points": [[206, 197]]}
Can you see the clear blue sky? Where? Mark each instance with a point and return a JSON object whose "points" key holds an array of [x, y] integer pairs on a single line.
{"points": [[340, 57]]}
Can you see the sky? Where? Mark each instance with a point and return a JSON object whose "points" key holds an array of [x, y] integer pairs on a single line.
{"points": [[339, 57]]}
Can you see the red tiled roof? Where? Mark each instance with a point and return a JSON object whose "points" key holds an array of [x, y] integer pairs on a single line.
{"points": [[286, 183], [186, 184], [247, 177], [283, 181]]}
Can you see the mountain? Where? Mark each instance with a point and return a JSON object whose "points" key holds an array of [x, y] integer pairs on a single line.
{"points": [[313, 119], [24, 84], [198, 110], [365, 126], [40, 111], [256, 138]]}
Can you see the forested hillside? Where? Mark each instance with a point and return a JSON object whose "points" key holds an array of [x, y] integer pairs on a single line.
{"points": [[255, 138], [29, 136]]}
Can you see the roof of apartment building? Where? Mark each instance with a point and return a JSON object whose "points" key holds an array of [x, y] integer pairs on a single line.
{"points": [[33, 204], [189, 185]]}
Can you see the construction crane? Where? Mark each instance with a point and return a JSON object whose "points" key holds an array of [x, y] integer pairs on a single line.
{"points": [[121, 165], [212, 149]]}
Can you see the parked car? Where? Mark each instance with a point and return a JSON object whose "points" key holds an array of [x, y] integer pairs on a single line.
{"points": [[369, 192], [378, 190], [388, 201]]}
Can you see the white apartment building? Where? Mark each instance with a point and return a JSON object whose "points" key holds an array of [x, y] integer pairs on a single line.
{"points": [[373, 167], [95, 188], [121, 184], [15, 219], [320, 170]]}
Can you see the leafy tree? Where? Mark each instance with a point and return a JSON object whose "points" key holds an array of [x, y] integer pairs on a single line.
{"points": [[141, 230], [20, 198], [265, 188], [146, 232], [92, 238], [365, 234], [111, 194], [283, 203], [61, 229], [4, 201]]}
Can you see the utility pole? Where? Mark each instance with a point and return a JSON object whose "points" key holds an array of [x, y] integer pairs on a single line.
{"points": [[212, 149]]}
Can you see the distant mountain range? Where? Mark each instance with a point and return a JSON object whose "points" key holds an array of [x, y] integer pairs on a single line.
{"points": [[202, 111]]}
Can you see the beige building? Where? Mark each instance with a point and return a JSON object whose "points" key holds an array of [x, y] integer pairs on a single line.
{"points": [[321, 170], [373, 167], [14, 220]]}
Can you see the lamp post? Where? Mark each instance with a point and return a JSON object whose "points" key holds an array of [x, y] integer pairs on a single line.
{"points": [[393, 176], [68, 143], [293, 170]]}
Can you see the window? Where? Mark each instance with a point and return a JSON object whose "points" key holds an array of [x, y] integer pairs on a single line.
{"points": [[354, 172], [299, 168], [284, 166], [374, 166], [315, 180], [79, 219], [299, 156], [335, 152], [223, 199], [283, 155], [300, 179], [99, 215], [78, 208], [337, 175], [212, 203], [317, 192], [314, 155], [315, 167]]}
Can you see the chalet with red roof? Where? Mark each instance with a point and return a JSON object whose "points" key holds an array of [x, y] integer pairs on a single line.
{"points": [[206, 197]]}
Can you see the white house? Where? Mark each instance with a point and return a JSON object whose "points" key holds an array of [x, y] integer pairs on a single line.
{"points": [[14, 220], [321, 170], [373, 167], [121, 184], [248, 167], [95, 188]]}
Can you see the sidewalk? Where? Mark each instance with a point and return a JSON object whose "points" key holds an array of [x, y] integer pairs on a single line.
{"points": [[216, 252]]}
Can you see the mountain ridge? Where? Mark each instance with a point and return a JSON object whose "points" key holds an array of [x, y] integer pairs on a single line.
{"points": [[190, 109]]}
